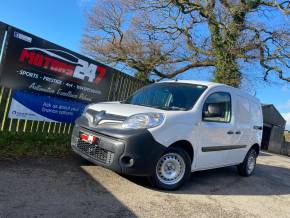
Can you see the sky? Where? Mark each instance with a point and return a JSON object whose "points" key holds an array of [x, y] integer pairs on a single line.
{"points": [[63, 22]]}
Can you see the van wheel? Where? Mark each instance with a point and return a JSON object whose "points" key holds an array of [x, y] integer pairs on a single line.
{"points": [[172, 169], [249, 164]]}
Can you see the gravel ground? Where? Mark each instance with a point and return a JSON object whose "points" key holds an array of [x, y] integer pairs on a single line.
{"points": [[72, 187]]}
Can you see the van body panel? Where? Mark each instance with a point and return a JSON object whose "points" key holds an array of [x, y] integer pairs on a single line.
{"points": [[185, 128]]}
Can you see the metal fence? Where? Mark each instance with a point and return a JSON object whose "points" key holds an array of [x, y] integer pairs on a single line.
{"points": [[121, 87]]}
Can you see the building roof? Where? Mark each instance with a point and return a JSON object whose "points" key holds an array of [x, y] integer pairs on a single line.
{"points": [[272, 116]]}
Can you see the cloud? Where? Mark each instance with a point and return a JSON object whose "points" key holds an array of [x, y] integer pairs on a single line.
{"points": [[287, 118]]}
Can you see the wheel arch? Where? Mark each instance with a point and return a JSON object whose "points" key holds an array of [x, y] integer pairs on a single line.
{"points": [[186, 145], [256, 147]]}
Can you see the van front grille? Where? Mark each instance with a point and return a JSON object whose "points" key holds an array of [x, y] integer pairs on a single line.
{"points": [[95, 152]]}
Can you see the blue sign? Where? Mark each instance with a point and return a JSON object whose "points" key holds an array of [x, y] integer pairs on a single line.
{"points": [[32, 106]]}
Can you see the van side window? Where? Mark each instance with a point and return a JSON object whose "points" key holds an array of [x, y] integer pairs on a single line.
{"points": [[217, 108]]}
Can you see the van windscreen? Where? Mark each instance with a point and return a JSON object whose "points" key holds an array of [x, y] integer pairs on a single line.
{"points": [[167, 96]]}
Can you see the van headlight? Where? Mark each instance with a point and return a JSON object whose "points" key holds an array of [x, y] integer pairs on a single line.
{"points": [[86, 108], [143, 121]]}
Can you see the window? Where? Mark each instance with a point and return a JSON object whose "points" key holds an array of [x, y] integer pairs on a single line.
{"points": [[217, 108], [167, 96]]}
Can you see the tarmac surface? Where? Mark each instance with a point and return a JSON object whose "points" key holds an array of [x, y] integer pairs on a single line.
{"points": [[72, 187]]}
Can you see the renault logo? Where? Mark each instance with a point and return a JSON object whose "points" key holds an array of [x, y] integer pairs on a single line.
{"points": [[99, 116]]}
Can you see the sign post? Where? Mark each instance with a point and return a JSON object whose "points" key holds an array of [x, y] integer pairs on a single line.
{"points": [[3, 35]]}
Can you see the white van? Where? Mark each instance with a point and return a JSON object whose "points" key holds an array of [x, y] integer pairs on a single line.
{"points": [[167, 130]]}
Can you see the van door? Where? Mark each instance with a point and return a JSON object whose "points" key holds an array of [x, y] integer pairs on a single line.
{"points": [[216, 131], [243, 130]]}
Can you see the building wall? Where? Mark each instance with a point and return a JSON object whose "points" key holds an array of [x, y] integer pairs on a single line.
{"points": [[285, 149], [276, 140], [286, 145], [273, 119]]}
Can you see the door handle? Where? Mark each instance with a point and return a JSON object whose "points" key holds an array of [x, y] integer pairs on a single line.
{"points": [[258, 127], [230, 132], [238, 132]]}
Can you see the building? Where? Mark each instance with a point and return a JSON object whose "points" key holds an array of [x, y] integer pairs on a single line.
{"points": [[286, 147], [273, 129]]}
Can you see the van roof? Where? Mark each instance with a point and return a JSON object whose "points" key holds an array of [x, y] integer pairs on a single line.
{"points": [[198, 82], [213, 84]]}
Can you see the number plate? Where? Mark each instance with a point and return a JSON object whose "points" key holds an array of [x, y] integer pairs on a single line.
{"points": [[89, 138]]}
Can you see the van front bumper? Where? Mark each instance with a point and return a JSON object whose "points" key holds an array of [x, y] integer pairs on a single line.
{"points": [[131, 152]]}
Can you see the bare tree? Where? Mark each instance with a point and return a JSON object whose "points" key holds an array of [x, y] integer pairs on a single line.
{"points": [[168, 37]]}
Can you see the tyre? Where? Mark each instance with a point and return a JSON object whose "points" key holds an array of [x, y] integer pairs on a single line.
{"points": [[247, 167], [172, 169]]}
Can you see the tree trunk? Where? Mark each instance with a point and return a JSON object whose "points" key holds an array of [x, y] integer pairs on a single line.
{"points": [[227, 70]]}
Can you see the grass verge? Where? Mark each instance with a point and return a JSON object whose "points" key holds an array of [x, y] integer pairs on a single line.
{"points": [[19, 145]]}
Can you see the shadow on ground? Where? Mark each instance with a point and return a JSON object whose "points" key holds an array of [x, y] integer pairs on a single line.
{"points": [[267, 180], [54, 188], [263, 154], [73, 187]]}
